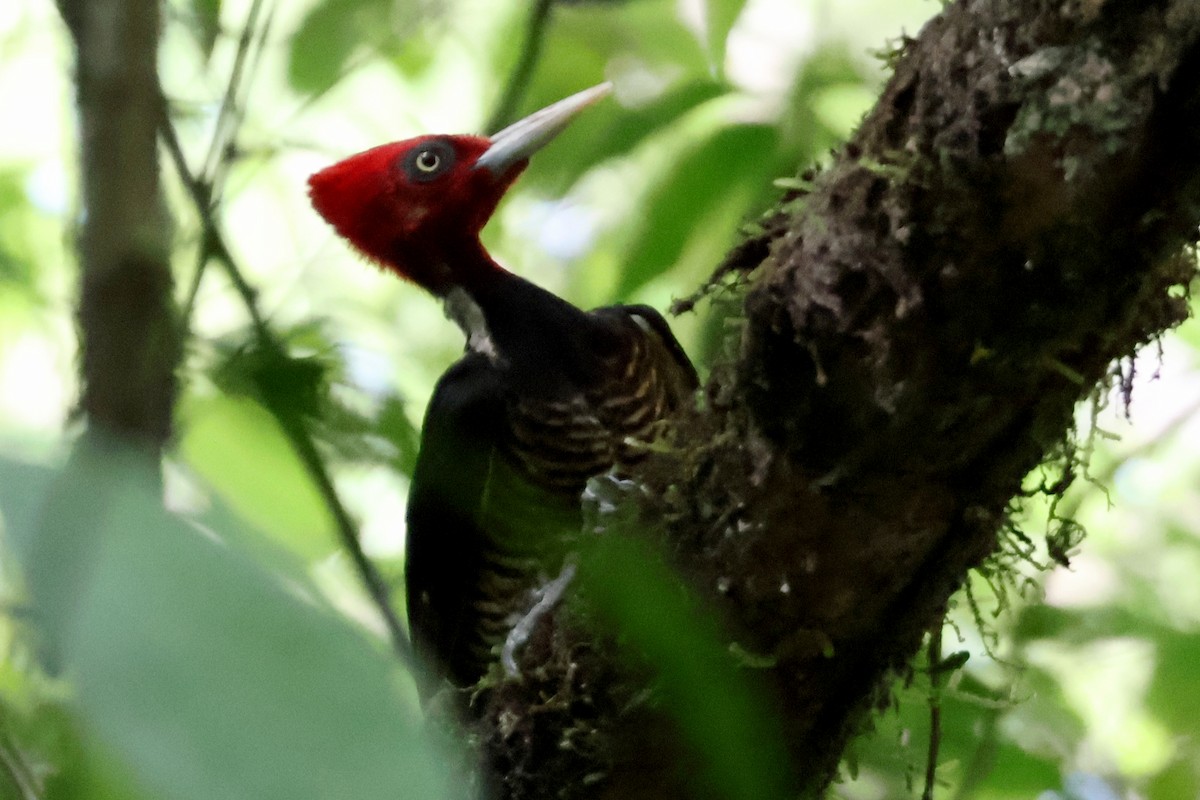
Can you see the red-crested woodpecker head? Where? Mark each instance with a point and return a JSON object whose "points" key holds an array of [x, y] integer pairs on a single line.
{"points": [[416, 207]]}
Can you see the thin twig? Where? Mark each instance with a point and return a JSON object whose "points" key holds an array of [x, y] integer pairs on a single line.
{"points": [[213, 243], [293, 427], [19, 772], [189, 302], [518, 81], [1185, 415], [935, 712], [230, 150], [212, 173], [374, 583], [229, 102]]}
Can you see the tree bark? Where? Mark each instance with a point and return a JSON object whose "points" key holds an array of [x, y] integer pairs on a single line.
{"points": [[129, 335], [1011, 219]]}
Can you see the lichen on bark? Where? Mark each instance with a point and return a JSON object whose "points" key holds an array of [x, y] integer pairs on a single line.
{"points": [[921, 319]]}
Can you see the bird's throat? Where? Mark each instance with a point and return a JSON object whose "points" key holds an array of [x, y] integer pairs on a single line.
{"points": [[518, 325], [467, 314]]}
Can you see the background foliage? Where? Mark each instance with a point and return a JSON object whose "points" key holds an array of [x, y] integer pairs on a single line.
{"points": [[261, 656]]}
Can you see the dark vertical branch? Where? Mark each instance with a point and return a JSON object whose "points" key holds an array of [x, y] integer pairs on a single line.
{"points": [[518, 81], [229, 117], [129, 339], [935, 713]]}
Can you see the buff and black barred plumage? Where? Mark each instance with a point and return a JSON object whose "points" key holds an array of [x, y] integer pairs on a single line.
{"points": [[512, 435]]}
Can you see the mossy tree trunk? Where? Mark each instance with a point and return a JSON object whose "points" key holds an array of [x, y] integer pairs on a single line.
{"points": [[1013, 217]]}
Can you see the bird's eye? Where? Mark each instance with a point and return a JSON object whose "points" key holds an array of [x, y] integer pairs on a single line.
{"points": [[429, 161]]}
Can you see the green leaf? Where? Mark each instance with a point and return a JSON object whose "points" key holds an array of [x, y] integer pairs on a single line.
{"points": [[415, 55], [608, 131], [237, 446], [334, 30], [207, 25], [207, 676], [1180, 779], [583, 44], [636, 125], [395, 426], [1004, 770], [827, 98], [17, 778], [648, 31], [25, 248], [327, 38], [23, 487], [289, 385], [717, 707], [82, 770], [1173, 697], [704, 199], [382, 435], [719, 18]]}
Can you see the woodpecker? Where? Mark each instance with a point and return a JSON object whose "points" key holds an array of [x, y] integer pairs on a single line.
{"points": [[545, 397]]}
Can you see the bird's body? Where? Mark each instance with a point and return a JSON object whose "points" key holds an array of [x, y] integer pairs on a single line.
{"points": [[546, 396]]}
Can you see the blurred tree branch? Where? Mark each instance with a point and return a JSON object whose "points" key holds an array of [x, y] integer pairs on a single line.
{"points": [[130, 330], [130, 339], [518, 79], [1015, 214]]}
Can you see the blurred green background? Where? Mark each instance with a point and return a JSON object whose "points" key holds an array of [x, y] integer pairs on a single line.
{"points": [[1081, 683]]}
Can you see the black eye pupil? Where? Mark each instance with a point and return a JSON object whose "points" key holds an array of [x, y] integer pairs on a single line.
{"points": [[428, 161]]}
